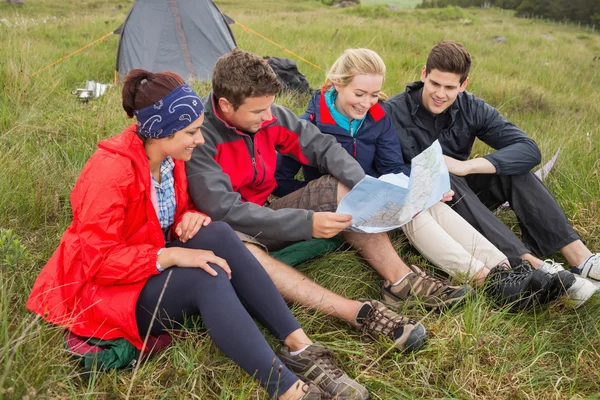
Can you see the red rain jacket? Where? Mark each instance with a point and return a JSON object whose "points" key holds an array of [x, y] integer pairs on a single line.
{"points": [[92, 282]]}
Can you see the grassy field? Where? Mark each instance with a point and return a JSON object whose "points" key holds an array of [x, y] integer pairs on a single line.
{"points": [[397, 3], [544, 78]]}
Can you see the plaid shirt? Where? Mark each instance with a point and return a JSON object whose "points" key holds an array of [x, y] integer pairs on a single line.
{"points": [[165, 193]]}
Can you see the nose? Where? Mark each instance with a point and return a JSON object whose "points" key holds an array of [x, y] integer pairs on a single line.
{"points": [[199, 138], [266, 115], [440, 92]]}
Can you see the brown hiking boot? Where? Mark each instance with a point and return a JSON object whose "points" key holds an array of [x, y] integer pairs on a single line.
{"points": [[430, 291], [375, 319], [315, 364]]}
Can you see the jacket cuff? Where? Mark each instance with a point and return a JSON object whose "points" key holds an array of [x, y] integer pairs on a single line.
{"points": [[490, 157]]}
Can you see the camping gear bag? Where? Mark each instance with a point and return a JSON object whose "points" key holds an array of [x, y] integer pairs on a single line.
{"points": [[94, 354], [289, 75]]}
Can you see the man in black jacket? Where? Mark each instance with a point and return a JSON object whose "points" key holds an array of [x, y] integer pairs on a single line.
{"points": [[438, 107]]}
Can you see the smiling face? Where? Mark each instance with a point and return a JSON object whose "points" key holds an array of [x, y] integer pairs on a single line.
{"points": [[440, 89], [181, 145], [355, 99], [250, 116]]}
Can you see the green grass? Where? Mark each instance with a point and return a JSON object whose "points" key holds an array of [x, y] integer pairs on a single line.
{"points": [[397, 3], [543, 78]]}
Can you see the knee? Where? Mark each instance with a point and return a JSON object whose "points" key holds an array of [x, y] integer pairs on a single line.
{"points": [[221, 230]]}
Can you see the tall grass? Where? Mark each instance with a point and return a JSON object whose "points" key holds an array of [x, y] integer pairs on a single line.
{"points": [[543, 78]]}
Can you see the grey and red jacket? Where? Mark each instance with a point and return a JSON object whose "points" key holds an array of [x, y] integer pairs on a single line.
{"points": [[231, 175], [470, 118]]}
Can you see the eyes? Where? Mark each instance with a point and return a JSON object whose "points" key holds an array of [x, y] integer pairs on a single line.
{"points": [[373, 95], [437, 85]]}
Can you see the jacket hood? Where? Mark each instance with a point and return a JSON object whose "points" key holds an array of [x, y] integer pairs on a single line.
{"points": [[129, 145]]}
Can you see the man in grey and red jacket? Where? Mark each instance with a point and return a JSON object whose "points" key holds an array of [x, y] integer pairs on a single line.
{"points": [[232, 176], [438, 107]]}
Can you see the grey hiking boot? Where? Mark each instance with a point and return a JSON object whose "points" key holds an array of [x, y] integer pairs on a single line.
{"points": [[432, 292], [375, 319], [315, 364], [312, 392]]}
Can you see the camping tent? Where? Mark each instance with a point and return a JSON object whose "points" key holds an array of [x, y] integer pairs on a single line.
{"points": [[185, 36]]}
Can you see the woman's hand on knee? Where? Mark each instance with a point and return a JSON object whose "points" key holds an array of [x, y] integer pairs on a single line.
{"points": [[194, 258], [190, 224]]}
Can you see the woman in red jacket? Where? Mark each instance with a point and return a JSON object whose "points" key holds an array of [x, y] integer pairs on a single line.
{"points": [[138, 258]]}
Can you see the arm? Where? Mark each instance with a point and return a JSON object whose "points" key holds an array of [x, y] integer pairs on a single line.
{"points": [[211, 191], [303, 141], [99, 217], [516, 153], [388, 151]]}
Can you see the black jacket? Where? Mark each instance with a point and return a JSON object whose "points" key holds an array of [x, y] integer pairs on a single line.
{"points": [[470, 118]]}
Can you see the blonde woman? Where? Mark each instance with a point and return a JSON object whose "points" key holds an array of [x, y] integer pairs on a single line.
{"points": [[349, 107]]}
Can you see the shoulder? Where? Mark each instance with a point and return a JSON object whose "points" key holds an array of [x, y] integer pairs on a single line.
{"points": [[107, 168]]}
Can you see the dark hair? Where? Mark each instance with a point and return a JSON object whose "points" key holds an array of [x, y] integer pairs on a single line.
{"points": [[143, 88], [239, 75], [449, 56]]}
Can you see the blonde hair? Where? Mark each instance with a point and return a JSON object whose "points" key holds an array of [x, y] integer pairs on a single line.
{"points": [[355, 62]]}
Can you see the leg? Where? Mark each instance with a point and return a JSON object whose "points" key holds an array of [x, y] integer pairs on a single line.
{"points": [[401, 281], [296, 287], [251, 283], [432, 236], [192, 291], [376, 249], [469, 206], [544, 225]]}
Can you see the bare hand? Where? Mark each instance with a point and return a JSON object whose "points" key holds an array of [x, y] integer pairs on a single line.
{"points": [[193, 258], [448, 196], [456, 167], [329, 224], [190, 225]]}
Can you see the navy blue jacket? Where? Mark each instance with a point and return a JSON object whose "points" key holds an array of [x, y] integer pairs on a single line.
{"points": [[375, 146], [470, 118]]}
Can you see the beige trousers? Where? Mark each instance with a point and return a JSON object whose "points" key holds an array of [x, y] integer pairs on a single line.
{"points": [[451, 243]]}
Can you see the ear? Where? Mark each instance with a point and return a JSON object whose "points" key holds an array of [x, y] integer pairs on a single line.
{"points": [[336, 84], [464, 85], [423, 73], [224, 105]]}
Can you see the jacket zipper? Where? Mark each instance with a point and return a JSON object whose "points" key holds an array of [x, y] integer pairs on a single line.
{"points": [[262, 162], [353, 139], [253, 159]]}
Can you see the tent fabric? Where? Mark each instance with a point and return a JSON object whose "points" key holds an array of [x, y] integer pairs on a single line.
{"points": [[184, 36]]}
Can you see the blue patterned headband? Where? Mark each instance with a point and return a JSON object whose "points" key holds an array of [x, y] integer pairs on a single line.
{"points": [[174, 112]]}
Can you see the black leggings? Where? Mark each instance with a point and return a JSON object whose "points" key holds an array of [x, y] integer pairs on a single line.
{"points": [[225, 305]]}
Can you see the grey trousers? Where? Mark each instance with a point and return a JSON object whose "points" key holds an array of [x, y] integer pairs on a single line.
{"points": [[544, 226]]}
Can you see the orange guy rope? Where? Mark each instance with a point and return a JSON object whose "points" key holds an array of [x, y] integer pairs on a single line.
{"points": [[278, 45], [73, 53]]}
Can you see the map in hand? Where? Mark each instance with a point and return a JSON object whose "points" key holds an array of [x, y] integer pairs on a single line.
{"points": [[380, 205]]}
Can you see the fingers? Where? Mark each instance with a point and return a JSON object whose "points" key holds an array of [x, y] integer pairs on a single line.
{"points": [[208, 269], [211, 258], [195, 228], [184, 226], [334, 223]]}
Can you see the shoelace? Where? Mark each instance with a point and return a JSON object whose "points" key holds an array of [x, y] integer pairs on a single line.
{"points": [[386, 323], [553, 266], [325, 358], [324, 395], [431, 282]]}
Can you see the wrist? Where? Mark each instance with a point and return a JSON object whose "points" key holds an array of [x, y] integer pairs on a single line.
{"points": [[164, 258]]}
